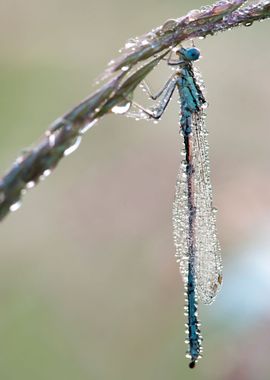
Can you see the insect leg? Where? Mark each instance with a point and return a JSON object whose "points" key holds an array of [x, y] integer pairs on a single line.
{"points": [[158, 110]]}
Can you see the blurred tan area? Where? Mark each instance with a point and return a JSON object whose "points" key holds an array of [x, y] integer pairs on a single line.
{"points": [[89, 287]]}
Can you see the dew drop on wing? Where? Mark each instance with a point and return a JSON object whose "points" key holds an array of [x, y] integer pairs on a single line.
{"points": [[208, 255], [208, 261]]}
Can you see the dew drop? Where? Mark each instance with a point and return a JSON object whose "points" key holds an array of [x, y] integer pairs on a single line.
{"points": [[121, 108], [15, 206], [52, 140], [88, 126], [47, 172], [204, 106], [144, 42], [30, 184], [73, 147], [169, 25], [19, 159], [130, 44], [193, 14]]}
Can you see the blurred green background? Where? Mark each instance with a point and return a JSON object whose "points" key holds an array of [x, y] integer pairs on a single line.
{"points": [[89, 287]]}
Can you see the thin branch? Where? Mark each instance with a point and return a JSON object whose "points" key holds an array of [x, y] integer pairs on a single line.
{"points": [[115, 96]]}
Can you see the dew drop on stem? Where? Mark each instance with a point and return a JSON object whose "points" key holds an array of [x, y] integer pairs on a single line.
{"points": [[30, 184], [85, 128], [73, 147], [121, 108], [15, 206]]}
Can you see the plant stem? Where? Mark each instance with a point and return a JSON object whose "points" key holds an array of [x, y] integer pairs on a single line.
{"points": [[115, 95]]}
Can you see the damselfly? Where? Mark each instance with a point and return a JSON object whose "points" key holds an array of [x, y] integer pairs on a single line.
{"points": [[194, 220]]}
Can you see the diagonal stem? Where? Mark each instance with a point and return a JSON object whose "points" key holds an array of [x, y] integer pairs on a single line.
{"points": [[65, 133]]}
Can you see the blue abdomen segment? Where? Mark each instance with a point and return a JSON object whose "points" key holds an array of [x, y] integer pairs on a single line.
{"points": [[194, 337]]}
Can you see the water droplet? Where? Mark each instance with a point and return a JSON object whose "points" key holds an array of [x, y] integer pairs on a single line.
{"points": [[15, 206], [47, 172], [121, 108], [193, 14], [73, 147], [125, 68], [19, 159], [204, 106], [144, 42], [88, 126], [130, 44], [52, 140], [30, 184], [169, 25]]}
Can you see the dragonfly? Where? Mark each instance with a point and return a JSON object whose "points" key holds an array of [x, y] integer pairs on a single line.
{"points": [[194, 217]]}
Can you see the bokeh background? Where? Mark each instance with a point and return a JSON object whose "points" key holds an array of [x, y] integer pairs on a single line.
{"points": [[89, 287]]}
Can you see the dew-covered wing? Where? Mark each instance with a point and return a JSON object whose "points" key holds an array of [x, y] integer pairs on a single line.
{"points": [[207, 263]]}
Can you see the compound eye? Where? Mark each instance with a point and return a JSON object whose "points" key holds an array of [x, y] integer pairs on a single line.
{"points": [[192, 54]]}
